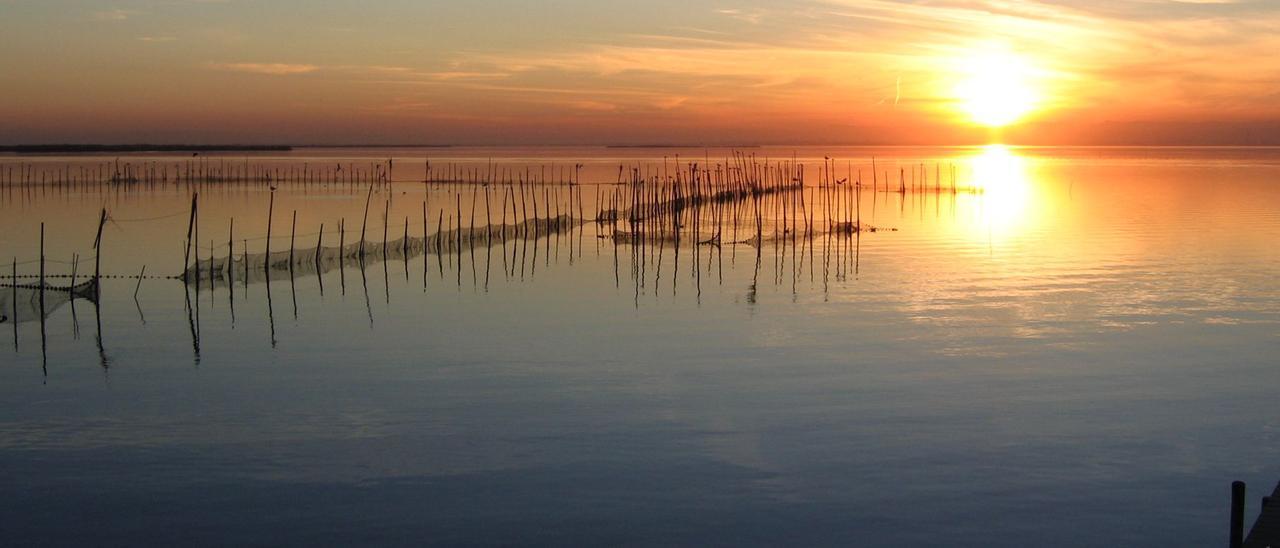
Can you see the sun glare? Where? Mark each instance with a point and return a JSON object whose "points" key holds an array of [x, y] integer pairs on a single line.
{"points": [[996, 88], [1006, 188]]}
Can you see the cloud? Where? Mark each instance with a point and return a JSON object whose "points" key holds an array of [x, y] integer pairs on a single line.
{"points": [[749, 16], [111, 15], [374, 69], [463, 75], [809, 59], [862, 51], [276, 69]]}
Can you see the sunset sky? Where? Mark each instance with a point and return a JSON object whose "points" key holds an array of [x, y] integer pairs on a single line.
{"points": [[657, 71]]}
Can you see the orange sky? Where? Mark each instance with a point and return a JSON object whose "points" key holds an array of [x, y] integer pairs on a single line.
{"points": [[613, 72]]}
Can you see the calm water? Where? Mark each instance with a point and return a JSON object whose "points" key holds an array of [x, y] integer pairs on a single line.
{"points": [[1081, 355]]}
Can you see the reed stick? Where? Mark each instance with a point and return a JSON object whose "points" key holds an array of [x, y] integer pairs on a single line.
{"points": [[293, 232], [14, 285], [365, 223], [191, 225], [266, 264], [319, 246], [139, 286]]}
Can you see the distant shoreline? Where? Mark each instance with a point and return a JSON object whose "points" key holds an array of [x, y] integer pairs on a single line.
{"points": [[186, 148], [683, 146], [373, 146], [45, 149]]}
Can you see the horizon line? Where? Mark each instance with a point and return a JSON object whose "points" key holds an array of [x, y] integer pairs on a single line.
{"points": [[53, 148]]}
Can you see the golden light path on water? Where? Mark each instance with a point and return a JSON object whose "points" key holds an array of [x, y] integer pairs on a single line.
{"points": [[1008, 195]]}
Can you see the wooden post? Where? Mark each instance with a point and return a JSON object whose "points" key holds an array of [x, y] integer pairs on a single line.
{"points": [[1237, 514], [41, 272], [293, 233], [44, 345], [42, 261], [424, 245], [266, 264], [231, 250], [97, 247], [139, 286], [191, 224], [210, 266], [488, 218], [14, 285], [319, 246], [245, 251], [365, 223]]}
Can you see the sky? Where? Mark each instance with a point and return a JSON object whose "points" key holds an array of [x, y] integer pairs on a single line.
{"points": [[732, 72]]}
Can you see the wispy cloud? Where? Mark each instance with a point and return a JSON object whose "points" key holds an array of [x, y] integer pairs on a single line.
{"points": [[156, 38], [112, 15], [277, 69], [883, 52], [465, 75], [750, 16]]}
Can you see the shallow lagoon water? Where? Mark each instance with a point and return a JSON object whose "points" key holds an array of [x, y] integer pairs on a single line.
{"points": [[1083, 355]]}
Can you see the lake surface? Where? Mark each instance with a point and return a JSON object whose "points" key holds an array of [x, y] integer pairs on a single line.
{"points": [[1049, 347]]}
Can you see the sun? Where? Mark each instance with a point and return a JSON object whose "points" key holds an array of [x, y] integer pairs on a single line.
{"points": [[996, 88]]}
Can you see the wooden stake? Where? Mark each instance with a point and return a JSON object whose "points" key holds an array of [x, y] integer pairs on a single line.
{"points": [[191, 224], [292, 235], [139, 286], [364, 224], [14, 285], [41, 272], [319, 246], [41, 261], [266, 264]]}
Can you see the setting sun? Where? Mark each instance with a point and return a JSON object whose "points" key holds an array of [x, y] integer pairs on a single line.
{"points": [[996, 89]]}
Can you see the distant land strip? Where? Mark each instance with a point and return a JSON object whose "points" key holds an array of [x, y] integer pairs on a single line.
{"points": [[660, 145], [45, 149], [377, 146]]}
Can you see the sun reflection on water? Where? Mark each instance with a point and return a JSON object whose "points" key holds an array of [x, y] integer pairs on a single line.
{"points": [[1004, 178]]}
